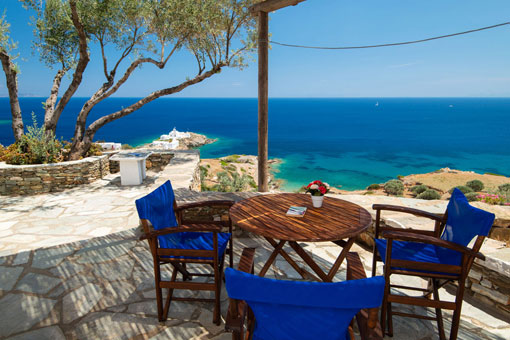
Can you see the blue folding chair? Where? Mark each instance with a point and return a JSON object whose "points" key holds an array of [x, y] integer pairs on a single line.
{"points": [[297, 310], [176, 241], [441, 256]]}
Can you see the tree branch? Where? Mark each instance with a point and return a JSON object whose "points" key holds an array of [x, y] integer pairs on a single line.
{"points": [[96, 125], [49, 105], [78, 73], [105, 61], [125, 53]]}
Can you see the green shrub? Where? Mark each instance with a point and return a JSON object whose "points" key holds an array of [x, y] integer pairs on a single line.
{"points": [[429, 194], [475, 184], [505, 188], [472, 196], [126, 147], [400, 177], [462, 188], [233, 182], [394, 187], [232, 158], [95, 150], [35, 147], [418, 189], [374, 186]]}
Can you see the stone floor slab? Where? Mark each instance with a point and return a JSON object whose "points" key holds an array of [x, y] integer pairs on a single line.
{"points": [[80, 302], [37, 283], [21, 312], [9, 276], [47, 333]]}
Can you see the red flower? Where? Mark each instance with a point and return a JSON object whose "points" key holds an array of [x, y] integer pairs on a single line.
{"points": [[322, 190], [309, 185], [317, 182]]}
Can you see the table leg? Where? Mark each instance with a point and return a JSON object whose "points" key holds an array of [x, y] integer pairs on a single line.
{"points": [[309, 261], [322, 276], [346, 247], [271, 258], [304, 274]]}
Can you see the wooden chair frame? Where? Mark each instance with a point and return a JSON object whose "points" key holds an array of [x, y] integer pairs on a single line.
{"points": [[437, 274], [240, 313], [178, 258]]}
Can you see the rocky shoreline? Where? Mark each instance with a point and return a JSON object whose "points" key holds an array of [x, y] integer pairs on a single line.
{"points": [[245, 166], [195, 140]]}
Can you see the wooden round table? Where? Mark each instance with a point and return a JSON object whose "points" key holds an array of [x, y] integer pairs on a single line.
{"points": [[335, 221]]}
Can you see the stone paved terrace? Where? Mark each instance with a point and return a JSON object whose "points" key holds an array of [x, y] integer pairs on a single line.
{"points": [[71, 267]]}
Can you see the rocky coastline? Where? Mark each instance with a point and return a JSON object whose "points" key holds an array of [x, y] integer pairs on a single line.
{"points": [[245, 166]]}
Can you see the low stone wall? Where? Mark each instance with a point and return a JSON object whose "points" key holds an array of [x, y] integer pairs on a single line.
{"points": [[489, 282], [40, 178], [155, 162]]}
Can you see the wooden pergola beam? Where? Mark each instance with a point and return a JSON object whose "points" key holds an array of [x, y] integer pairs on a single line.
{"points": [[261, 10], [272, 5]]}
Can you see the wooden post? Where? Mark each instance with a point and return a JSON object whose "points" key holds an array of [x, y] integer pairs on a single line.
{"points": [[263, 100]]}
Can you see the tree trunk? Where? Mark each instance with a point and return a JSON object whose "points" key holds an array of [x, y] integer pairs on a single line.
{"points": [[53, 114], [79, 149], [50, 124], [11, 78]]}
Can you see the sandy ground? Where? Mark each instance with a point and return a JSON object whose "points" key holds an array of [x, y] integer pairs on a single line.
{"points": [[447, 178]]}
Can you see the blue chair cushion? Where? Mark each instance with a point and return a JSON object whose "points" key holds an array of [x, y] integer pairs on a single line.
{"points": [[297, 310], [195, 241], [419, 252], [463, 224]]}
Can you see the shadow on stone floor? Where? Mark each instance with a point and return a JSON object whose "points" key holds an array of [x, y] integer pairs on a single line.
{"points": [[104, 288]]}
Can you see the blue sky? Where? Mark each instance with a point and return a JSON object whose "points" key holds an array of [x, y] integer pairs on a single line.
{"points": [[474, 65]]}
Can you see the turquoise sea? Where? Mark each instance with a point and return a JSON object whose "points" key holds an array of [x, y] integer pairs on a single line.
{"points": [[348, 142]]}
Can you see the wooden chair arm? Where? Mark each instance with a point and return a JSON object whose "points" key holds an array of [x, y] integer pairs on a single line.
{"points": [[407, 210], [368, 319], [198, 204], [237, 310], [404, 236], [204, 227]]}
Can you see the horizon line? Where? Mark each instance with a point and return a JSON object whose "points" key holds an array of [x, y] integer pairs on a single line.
{"points": [[360, 97]]}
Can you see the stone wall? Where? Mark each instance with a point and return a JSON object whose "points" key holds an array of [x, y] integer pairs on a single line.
{"points": [[155, 162], [489, 282], [40, 178]]}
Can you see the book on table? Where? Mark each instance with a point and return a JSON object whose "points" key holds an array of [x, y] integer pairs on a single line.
{"points": [[296, 211]]}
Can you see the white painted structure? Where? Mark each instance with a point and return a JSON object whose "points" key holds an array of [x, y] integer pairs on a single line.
{"points": [[174, 144], [132, 167], [110, 146], [176, 134]]}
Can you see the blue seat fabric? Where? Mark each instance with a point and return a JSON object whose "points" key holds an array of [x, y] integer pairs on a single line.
{"points": [[158, 208], [298, 310], [463, 224], [194, 240]]}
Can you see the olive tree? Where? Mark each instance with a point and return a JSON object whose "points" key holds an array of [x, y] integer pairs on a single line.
{"points": [[215, 33]]}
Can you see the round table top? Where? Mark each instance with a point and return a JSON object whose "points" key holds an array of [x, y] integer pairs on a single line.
{"points": [[265, 215]]}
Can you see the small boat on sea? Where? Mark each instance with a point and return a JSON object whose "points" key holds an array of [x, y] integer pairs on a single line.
{"points": [[377, 104]]}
